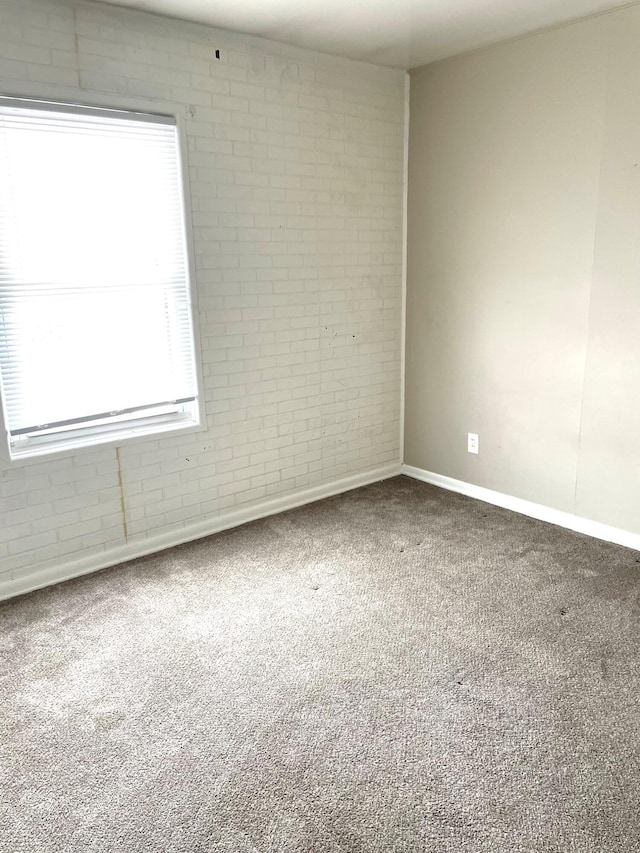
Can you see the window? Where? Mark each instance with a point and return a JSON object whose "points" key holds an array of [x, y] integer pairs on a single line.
{"points": [[96, 335]]}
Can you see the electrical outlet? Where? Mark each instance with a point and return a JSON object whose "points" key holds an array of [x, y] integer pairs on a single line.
{"points": [[472, 442]]}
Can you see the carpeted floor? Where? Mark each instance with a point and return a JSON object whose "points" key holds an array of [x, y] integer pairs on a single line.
{"points": [[394, 669]]}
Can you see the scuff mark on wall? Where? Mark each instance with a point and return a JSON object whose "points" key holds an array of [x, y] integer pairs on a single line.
{"points": [[123, 506], [76, 47]]}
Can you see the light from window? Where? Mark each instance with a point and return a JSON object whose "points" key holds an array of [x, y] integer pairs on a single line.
{"points": [[96, 335]]}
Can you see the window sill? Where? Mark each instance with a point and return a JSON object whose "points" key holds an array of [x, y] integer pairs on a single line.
{"points": [[39, 452]]}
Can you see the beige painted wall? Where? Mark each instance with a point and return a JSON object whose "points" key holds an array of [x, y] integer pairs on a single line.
{"points": [[523, 320]]}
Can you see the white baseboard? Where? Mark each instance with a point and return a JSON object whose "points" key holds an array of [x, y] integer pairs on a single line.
{"points": [[48, 574], [533, 510]]}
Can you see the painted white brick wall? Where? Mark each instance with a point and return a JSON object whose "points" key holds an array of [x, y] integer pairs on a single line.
{"points": [[295, 164]]}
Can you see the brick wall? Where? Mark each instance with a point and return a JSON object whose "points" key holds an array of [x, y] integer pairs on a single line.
{"points": [[295, 164]]}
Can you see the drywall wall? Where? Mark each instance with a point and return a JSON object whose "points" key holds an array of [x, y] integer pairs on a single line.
{"points": [[608, 482], [295, 166], [524, 269]]}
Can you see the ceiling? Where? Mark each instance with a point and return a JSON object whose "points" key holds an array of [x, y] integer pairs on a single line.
{"points": [[398, 33]]}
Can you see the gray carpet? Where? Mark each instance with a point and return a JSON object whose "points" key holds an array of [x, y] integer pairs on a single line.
{"points": [[395, 669]]}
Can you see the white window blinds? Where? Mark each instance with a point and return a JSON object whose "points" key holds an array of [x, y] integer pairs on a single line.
{"points": [[95, 315]]}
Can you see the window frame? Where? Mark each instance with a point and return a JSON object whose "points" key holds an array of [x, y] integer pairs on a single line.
{"points": [[136, 430]]}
